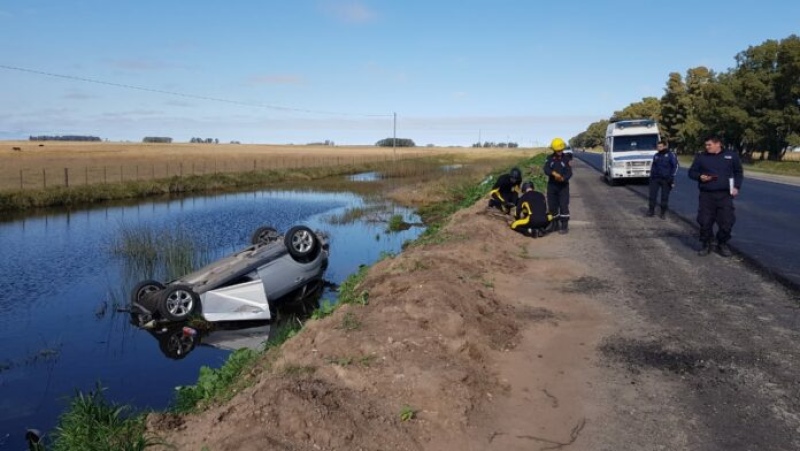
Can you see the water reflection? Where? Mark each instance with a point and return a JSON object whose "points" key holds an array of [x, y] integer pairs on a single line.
{"points": [[365, 177]]}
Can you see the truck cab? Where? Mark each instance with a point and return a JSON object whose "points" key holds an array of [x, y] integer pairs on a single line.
{"points": [[628, 149]]}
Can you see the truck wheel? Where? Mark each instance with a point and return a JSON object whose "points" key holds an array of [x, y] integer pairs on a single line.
{"points": [[142, 293], [264, 235]]}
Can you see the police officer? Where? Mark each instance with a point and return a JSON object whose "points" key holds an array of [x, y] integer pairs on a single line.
{"points": [[558, 170], [505, 191], [531, 217], [719, 177], [662, 178]]}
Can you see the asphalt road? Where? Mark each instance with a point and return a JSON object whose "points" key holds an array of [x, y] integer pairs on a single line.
{"points": [[767, 216], [703, 351]]}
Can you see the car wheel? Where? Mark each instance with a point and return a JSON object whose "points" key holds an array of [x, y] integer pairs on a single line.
{"points": [[264, 235], [175, 344], [302, 243], [142, 293], [178, 302]]}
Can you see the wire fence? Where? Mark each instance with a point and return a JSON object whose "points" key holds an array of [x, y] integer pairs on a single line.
{"points": [[58, 175]]}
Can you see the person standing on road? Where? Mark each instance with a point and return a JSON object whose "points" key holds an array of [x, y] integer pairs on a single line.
{"points": [[662, 178], [558, 170], [531, 217], [505, 191], [719, 178]]}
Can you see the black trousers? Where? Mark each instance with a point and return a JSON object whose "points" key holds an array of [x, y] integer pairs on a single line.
{"points": [[715, 207], [558, 201], [656, 185]]}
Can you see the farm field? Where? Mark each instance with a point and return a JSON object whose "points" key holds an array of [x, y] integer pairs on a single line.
{"points": [[45, 164]]}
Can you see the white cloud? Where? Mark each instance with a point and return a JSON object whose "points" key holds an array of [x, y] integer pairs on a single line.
{"points": [[79, 95], [351, 11], [141, 65], [276, 80]]}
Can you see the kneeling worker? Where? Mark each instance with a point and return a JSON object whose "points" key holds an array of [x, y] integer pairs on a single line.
{"points": [[505, 191], [532, 218]]}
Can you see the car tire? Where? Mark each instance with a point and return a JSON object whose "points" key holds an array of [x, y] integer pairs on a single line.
{"points": [[302, 243], [142, 293], [178, 302], [264, 235]]}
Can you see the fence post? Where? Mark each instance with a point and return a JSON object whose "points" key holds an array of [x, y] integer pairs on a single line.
{"points": [[86, 175], [121, 179], [66, 177], [44, 177], [254, 165], [180, 171]]}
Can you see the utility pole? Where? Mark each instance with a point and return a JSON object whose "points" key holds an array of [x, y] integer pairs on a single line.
{"points": [[394, 136]]}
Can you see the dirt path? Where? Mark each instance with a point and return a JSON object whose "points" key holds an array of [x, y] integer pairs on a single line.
{"points": [[616, 336]]}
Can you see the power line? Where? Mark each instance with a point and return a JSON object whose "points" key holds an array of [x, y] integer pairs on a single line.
{"points": [[184, 95]]}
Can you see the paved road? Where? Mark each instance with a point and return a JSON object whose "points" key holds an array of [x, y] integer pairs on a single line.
{"points": [[767, 216]]}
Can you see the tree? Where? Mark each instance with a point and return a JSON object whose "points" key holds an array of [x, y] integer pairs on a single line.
{"points": [[395, 142], [648, 108]]}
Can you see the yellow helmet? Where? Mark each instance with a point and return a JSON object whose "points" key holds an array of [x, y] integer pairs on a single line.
{"points": [[558, 144]]}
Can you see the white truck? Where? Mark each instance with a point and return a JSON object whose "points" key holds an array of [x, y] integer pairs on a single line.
{"points": [[628, 149]]}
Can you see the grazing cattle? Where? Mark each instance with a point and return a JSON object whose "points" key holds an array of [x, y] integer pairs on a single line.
{"points": [[17, 148]]}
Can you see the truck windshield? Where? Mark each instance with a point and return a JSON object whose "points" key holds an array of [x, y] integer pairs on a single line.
{"points": [[635, 142]]}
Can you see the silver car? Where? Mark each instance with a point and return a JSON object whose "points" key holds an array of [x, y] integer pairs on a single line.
{"points": [[241, 286]]}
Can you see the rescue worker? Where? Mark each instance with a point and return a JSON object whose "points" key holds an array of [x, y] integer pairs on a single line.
{"points": [[558, 170], [719, 177], [662, 177], [531, 216], [505, 191]]}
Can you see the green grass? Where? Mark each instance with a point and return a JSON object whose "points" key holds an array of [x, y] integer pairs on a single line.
{"points": [[93, 424], [215, 385], [407, 413], [397, 224]]}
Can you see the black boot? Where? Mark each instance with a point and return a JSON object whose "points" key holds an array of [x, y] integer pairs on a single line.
{"points": [[564, 228], [650, 212], [724, 250], [663, 214], [706, 249]]}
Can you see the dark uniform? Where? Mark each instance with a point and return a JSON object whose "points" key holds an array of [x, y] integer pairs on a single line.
{"points": [[716, 201], [505, 192], [558, 188], [531, 216], [662, 177]]}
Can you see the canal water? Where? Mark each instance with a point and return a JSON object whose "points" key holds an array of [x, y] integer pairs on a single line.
{"points": [[61, 288]]}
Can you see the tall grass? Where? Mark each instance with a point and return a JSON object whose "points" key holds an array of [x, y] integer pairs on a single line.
{"points": [[157, 253], [93, 424]]}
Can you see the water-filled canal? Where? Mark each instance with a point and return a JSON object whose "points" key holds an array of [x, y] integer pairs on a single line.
{"points": [[61, 286]]}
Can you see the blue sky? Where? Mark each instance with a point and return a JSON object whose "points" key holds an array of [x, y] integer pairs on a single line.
{"points": [[306, 71]]}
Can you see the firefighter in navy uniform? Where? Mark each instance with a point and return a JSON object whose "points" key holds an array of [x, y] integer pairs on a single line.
{"points": [[719, 177], [506, 190], [558, 170], [531, 216]]}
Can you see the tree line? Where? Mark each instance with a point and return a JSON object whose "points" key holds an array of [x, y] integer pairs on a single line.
{"points": [[753, 107], [63, 138]]}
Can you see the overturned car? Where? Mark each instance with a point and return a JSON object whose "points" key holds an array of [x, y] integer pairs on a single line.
{"points": [[241, 286]]}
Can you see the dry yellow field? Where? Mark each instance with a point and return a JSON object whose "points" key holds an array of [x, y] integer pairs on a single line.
{"points": [[58, 163]]}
